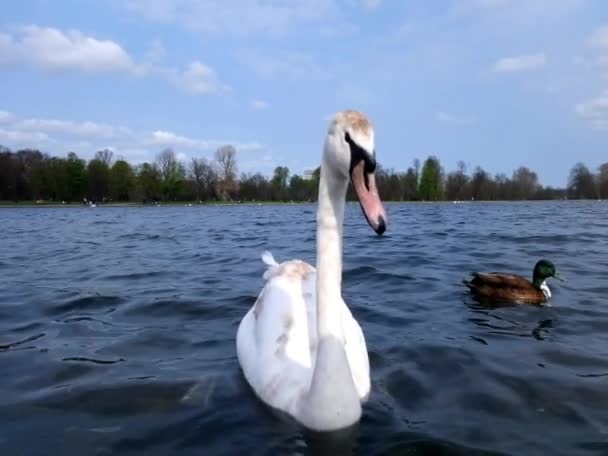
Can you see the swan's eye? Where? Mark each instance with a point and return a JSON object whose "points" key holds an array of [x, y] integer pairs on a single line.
{"points": [[357, 154]]}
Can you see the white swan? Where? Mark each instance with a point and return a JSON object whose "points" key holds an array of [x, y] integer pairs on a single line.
{"points": [[299, 346]]}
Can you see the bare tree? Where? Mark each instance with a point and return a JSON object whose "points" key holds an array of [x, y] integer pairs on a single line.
{"points": [[196, 172], [104, 156], [173, 174], [457, 183], [602, 181], [225, 158], [417, 170], [167, 162], [462, 168], [525, 183], [482, 185], [581, 183], [204, 177]]}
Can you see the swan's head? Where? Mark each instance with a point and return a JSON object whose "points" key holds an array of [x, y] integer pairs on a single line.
{"points": [[350, 155]]}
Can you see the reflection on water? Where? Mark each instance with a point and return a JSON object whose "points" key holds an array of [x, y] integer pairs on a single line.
{"points": [[117, 330]]}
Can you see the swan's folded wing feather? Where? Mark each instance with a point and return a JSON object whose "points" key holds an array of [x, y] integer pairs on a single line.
{"points": [[270, 263], [273, 340]]}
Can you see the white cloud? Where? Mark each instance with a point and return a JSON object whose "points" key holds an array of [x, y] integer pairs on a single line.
{"points": [[41, 128], [595, 111], [53, 49], [260, 105], [236, 16], [454, 119], [170, 139], [5, 116], [22, 138], [520, 63], [198, 78], [85, 138], [87, 129]]}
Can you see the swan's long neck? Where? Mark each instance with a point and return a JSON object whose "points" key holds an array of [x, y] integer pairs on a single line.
{"points": [[332, 402], [330, 217]]}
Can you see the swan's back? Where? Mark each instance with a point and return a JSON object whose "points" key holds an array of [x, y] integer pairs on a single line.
{"points": [[277, 338]]}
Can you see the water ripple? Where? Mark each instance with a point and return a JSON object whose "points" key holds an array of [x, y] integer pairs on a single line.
{"points": [[118, 329]]}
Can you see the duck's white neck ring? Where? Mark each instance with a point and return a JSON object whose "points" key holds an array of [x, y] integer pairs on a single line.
{"points": [[545, 289]]}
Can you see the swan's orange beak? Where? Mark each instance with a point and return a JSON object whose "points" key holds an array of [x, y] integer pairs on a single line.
{"points": [[367, 192]]}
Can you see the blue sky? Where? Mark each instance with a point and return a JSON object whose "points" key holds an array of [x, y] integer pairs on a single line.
{"points": [[496, 83]]}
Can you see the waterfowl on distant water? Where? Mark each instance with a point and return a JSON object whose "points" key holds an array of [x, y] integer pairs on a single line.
{"points": [[497, 286], [299, 346]]}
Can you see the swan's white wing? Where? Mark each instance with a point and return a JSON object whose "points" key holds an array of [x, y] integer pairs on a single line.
{"points": [[274, 338], [277, 338]]}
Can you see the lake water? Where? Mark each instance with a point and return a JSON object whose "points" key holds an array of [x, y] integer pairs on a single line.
{"points": [[117, 330]]}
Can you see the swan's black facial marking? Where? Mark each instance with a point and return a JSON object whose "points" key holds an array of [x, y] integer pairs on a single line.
{"points": [[357, 154]]}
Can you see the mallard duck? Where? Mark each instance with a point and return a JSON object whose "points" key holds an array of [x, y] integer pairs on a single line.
{"points": [[498, 286]]}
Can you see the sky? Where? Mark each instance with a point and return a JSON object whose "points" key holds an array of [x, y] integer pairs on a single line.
{"points": [[495, 83]]}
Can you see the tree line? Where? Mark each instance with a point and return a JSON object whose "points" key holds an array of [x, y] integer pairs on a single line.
{"points": [[30, 175]]}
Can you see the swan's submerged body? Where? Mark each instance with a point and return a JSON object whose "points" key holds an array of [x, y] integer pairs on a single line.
{"points": [[299, 347]]}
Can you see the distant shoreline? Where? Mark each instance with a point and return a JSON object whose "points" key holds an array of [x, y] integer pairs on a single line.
{"points": [[5, 205], [32, 204]]}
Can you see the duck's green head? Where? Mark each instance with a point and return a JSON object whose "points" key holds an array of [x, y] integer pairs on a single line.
{"points": [[543, 270]]}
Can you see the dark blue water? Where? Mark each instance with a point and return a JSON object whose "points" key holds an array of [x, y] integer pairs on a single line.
{"points": [[117, 330]]}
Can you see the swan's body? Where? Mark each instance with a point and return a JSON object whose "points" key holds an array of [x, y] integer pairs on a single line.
{"points": [[278, 348], [299, 347]]}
